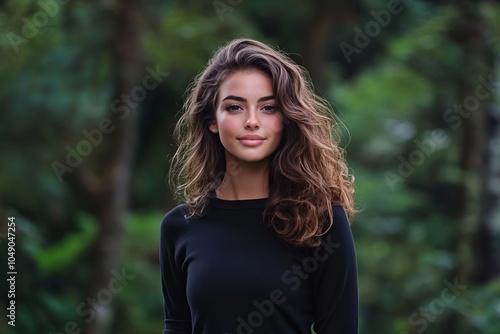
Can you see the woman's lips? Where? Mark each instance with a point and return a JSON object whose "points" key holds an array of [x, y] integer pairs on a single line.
{"points": [[251, 140]]}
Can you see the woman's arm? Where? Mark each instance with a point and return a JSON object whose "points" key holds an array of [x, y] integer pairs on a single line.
{"points": [[173, 279], [335, 284]]}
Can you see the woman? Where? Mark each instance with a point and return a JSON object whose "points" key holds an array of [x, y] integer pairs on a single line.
{"points": [[262, 243]]}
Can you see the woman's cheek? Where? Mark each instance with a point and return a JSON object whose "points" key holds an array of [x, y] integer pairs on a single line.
{"points": [[278, 123]]}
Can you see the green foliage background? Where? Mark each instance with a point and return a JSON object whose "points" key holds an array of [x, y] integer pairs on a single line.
{"points": [[411, 235]]}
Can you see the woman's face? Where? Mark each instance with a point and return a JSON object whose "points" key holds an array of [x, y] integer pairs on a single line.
{"points": [[247, 117]]}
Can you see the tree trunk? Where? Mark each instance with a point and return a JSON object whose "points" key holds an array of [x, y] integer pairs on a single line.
{"points": [[478, 201], [479, 130], [327, 18], [488, 238], [107, 193]]}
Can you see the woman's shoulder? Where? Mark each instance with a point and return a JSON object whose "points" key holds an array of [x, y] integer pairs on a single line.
{"points": [[339, 213], [176, 219], [341, 225]]}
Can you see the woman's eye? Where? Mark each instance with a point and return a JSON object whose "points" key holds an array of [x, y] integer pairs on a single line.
{"points": [[270, 108], [233, 107]]}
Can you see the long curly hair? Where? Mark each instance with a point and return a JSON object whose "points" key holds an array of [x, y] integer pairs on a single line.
{"points": [[307, 172]]}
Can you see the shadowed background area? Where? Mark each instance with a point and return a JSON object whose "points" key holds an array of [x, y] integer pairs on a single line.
{"points": [[90, 92]]}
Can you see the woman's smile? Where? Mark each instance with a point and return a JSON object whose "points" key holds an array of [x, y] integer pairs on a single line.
{"points": [[251, 140]]}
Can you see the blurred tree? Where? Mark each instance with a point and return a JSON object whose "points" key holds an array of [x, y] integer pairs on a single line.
{"points": [[476, 113]]}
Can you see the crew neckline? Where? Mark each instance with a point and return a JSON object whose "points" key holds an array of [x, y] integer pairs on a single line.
{"points": [[237, 203]]}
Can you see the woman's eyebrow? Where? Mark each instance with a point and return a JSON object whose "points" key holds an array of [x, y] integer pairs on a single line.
{"points": [[242, 99]]}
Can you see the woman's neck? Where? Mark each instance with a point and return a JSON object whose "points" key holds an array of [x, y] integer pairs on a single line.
{"points": [[244, 181]]}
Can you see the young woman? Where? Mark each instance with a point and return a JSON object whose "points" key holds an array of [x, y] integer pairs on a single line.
{"points": [[262, 243]]}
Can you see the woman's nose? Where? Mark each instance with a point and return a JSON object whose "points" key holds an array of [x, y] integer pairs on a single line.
{"points": [[252, 123]]}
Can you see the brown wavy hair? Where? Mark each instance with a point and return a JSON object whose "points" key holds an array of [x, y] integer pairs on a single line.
{"points": [[307, 172]]}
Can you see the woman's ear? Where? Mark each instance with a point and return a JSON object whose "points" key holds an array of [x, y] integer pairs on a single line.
{"points": [[213, 127]]}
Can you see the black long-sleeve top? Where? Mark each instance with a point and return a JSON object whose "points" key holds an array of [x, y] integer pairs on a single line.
{"points": [[229, 273]]}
